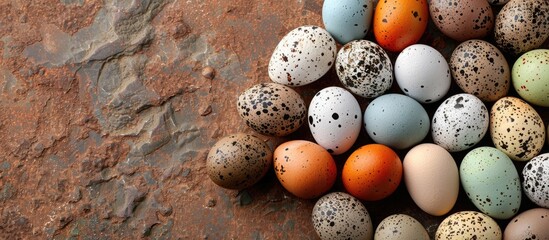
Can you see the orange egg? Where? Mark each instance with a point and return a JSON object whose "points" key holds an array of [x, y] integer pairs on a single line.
{"points": [[400, 23], [372, 172], [304, 168]]}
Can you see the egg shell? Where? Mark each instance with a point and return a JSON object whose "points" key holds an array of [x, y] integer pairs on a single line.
{"points": [[491, 182], [531, 77], [516, 128], [304, 168], [272, 109], [347, 20], [460, 122], [335, 119], [412, 77], [400, 227], [432, 178], [479, 68], [303, 56], [468, 225], [498, 2], [238, 161], [396, 120], [530, 224], [522, 25], [462, 19], [339, 215], [536, 180], [399, 23], [364, 68]]}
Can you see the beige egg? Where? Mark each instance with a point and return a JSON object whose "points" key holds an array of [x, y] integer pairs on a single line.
{"points": [[400, 227], [480, 69], [516, 128], [462, 19], [468, 225], [531, 224]]}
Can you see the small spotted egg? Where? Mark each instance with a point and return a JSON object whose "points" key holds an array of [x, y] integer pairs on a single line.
{"points": [[468, 225], [303, 56], [400, 227], [498, 2], [462, 19], [516, 128], [335, 119], [272, 109], [364, 68], [522, 25], [339, 215], [460, 122], [531, 77], [536, 180], [347, 20], [531, 224], [413, 78], [479, 68], [238, 161]]}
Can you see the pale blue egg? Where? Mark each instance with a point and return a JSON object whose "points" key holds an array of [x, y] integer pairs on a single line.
{"points": [[347, 20]]}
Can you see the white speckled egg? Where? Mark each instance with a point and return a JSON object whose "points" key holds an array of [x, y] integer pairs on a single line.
{"points": [[303, 56], [238, 161], [479, 68], [531, 224], [498, 2], [460, 122], [422, 73], [468, 225], [491, 182], [364, 68], [531, 77], [272, 109], [400, 227], [536, 180], [339, 215], [347, 20], [335, 119], [522, 25], [516, 128]]}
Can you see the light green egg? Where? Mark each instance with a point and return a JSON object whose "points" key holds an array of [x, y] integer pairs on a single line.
{"points": [[491, 182], [530, 77]]}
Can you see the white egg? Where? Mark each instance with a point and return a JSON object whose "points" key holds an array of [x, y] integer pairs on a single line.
{"points": [[400, 226], [422, 73], [536, 180], [335, 119]]}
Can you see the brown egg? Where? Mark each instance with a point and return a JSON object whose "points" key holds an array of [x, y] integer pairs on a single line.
{"points": [[479, 68], [531, 224], [462, 19], [522, 25]]}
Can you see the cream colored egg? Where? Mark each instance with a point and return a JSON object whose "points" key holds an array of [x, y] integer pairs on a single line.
{"points": [[468, 225], [400, 227]]}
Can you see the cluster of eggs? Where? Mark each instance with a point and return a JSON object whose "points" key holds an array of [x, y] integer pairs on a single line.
{"points": [[399, 121]]}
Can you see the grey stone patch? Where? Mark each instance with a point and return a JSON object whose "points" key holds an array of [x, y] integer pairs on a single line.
{"points": [[72, 2], [126, 199], [8, 82], [10, 47], [6, 192]]}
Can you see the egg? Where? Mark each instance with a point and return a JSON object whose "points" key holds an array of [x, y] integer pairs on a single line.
{"points": [[516, 128], [536, 180], [531, 77], [491, 182], [304, 168], [396, 120], [303, 56], [479, 68], [372, 172], [364, 68], [498, 2], [339, 215], [468, 225], [462, 19], [238, 161], [347, 20], [335, 119], [272, 109], [522, 25], [531, 224], [432, 178], [460, 122], [400, 227], [413, 79], [399, 23]]}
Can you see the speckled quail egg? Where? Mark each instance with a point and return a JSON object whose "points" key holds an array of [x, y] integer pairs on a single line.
{"points": [[536, 180], [364, 68], [531, 224], [531, 77], [479, 68], [462, 19], [272, 109], [238, 161], [339, 215], [303, 56], [468, 225], [347, 20], [400, 227]]}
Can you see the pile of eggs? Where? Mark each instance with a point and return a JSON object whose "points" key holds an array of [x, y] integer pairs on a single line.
{"points": [[398, 121]]}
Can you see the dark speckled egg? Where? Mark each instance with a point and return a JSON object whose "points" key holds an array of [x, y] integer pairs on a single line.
{"points": [[462, 19], [468, 225], [536, 180]]}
